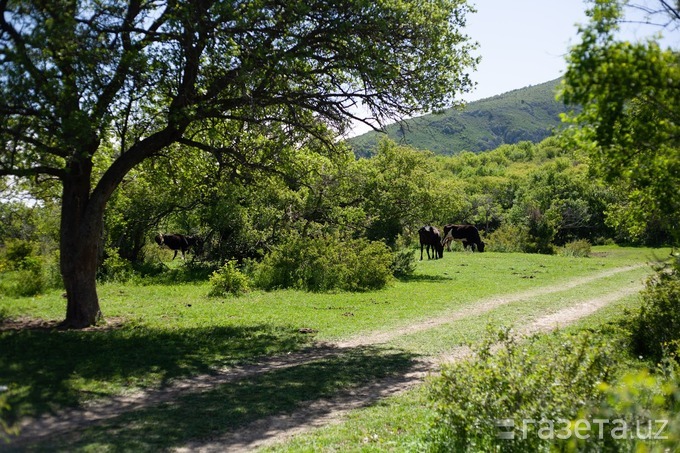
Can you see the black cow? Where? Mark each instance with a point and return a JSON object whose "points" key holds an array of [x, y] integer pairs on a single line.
{"points": [[430, 238], [467, 234], [176, 242]]}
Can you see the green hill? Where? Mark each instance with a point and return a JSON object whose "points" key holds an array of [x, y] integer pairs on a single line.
{"points": [[530, 113]]}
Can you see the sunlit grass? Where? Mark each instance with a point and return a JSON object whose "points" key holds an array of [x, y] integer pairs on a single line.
{"points": [[171, 331]]}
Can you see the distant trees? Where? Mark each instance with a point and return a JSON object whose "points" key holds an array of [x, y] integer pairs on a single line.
{"points": [[91, 89]]}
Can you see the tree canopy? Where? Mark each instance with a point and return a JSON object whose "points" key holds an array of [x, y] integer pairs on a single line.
{"points": [[630, 117], [128, 79]]}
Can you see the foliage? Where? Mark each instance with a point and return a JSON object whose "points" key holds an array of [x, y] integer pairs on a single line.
{"points": [[235, 80], [114, 268], [25, 276], [404, 263], [508, 238], [325, 263], [228, 280], [579, 248], [629, 120], [19, 254], [655, 329], [400, 191], [511, 380], [645, 403]]}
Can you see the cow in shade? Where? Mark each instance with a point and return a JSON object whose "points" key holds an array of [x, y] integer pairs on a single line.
{"points": [[176, 242]]}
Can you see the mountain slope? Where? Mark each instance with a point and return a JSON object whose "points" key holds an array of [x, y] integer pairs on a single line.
{"points": [[530, 113]]}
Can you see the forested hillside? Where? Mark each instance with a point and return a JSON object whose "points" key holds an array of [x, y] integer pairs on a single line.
{"points": [[527, 114]]}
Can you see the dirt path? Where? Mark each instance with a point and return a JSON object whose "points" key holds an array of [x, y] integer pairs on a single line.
{"points": [[276, 429], [279, 428]]}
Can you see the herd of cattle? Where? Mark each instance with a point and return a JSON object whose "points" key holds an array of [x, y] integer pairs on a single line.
{"points": [[431, 239]]}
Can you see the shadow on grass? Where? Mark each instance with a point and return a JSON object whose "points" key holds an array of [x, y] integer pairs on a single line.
{"points": [[425, 278], [46, 370], [214, 413]]}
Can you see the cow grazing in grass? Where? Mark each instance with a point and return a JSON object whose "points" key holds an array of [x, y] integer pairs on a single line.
{"points": [[467, 234], [431, 239], [176, 242]]}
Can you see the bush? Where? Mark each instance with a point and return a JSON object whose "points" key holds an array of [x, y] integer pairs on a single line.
{"points": [[19, 253], [647, 404], [25, 276], [325, 263], [403, 263], [513, 381], [576, 249], [656, 327], [228, 280], [508, 238], [114, 268]]}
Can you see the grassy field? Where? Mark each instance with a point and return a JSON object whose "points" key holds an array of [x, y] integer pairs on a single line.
{"points": [[167, 332]]}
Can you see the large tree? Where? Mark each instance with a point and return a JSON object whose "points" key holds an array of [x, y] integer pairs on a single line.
{"points": [[77, 77], [629, 121]]}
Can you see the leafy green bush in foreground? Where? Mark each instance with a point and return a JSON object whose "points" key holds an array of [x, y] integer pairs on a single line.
{"points": [[655, 329], [509, 380], [510, 397], [228, 280]]}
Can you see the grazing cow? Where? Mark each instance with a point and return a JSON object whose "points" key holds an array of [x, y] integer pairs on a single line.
{"points": [[430, 238], [467, 234], [176, 242]]}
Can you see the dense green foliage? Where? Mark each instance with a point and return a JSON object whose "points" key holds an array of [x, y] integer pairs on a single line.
{"points": [[524, 197], [228, 280], [629, 116], [325, 263], [527, 114], [92, 89], [510, 398], [511, 380], [656, 327]]}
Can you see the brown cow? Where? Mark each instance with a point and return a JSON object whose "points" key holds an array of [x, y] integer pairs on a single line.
{"points": [[467, 234]]}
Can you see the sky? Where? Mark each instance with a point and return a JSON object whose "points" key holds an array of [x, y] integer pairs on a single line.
{"points": [[521, 42], [524, 42]]}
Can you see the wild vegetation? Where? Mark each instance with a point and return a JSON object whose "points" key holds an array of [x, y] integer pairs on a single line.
{"points": [[527, 114], [301, 241]]}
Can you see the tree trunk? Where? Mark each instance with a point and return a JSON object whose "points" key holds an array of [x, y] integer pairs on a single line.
{"points": [[79, 249]]}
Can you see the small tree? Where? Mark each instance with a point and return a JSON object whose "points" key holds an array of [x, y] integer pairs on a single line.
{"points": [[629, 120]]}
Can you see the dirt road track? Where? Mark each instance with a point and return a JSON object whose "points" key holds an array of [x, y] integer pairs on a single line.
{"points": [[278, 428]]}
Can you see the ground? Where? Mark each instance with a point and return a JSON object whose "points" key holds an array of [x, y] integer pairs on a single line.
{"points": [[275, 429]]}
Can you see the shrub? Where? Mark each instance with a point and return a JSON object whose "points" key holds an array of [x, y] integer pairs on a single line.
{"points": [[228, 280], [18, 253], [576, 249], [508, 238], [325, 263], [646, 404], [403, 263], [508, 380], [114, 268], [25, 277], [656, 326]]}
